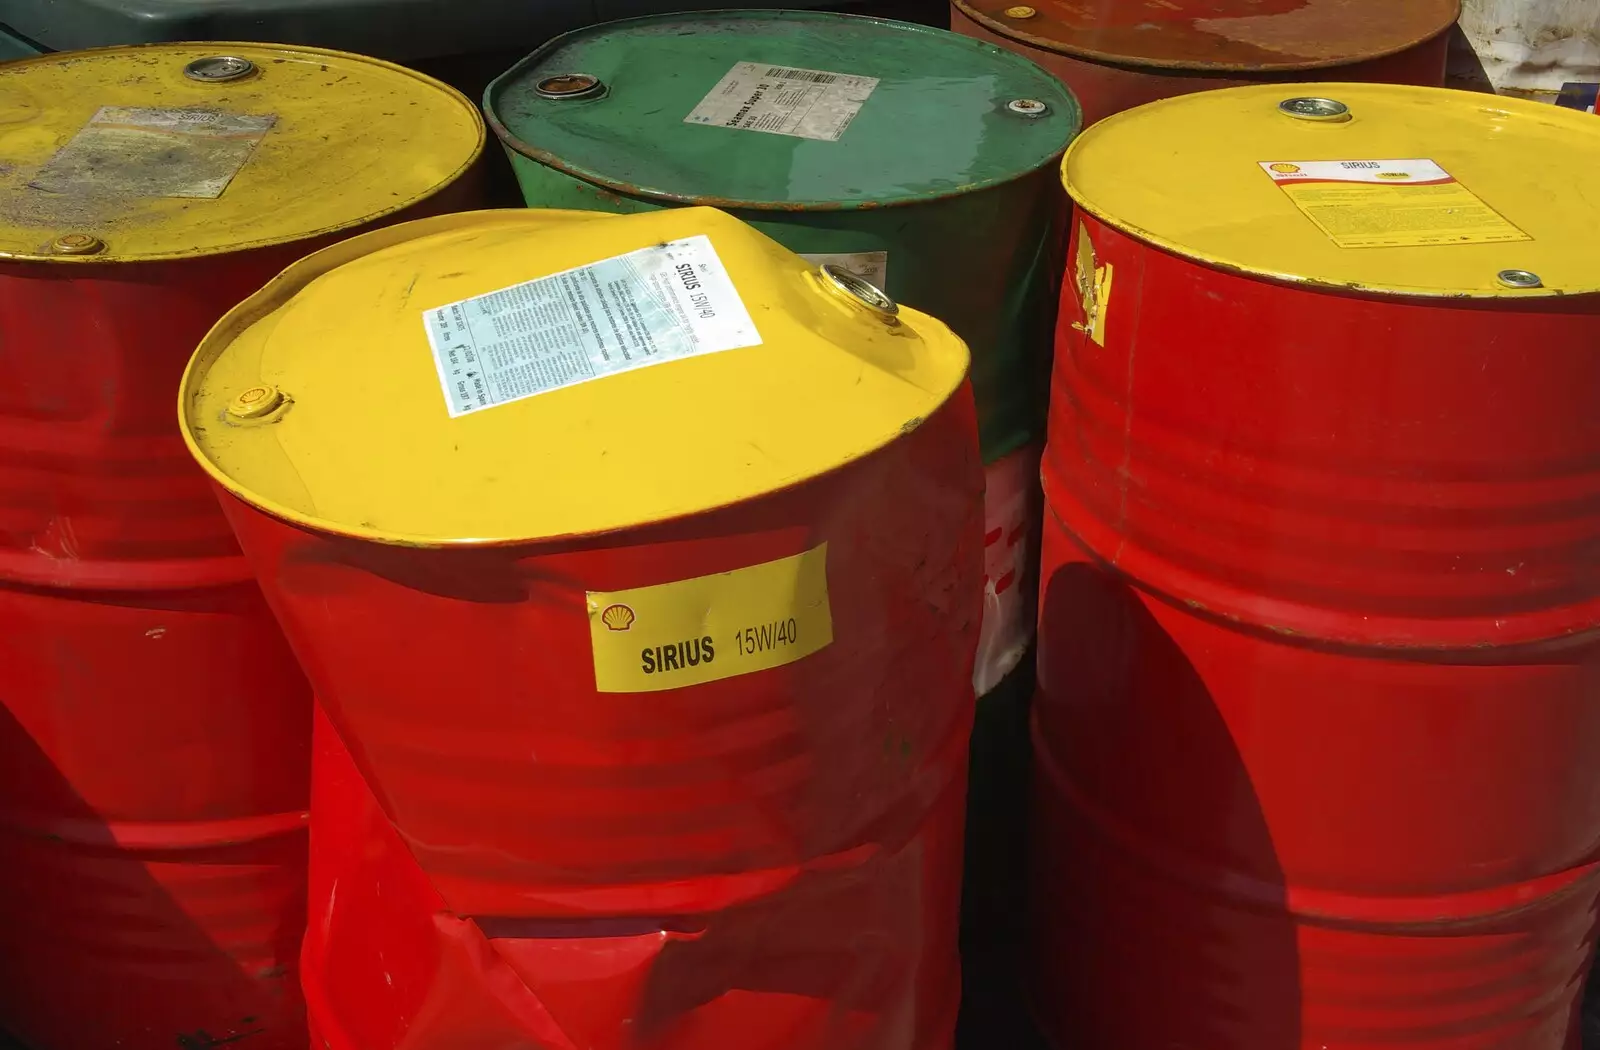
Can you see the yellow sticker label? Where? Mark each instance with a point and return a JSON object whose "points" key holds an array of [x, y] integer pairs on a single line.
{"points": [[1389, 203], [711, 627], [1094, 288]]}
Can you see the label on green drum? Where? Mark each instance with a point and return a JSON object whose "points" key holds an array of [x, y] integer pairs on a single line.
{"points": [[781, 100], [872, 267], [655, 305]]}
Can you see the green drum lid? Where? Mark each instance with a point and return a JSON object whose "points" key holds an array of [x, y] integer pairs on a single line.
{"points": [[781, 110]]}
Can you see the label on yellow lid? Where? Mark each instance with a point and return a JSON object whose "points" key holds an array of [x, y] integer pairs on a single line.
{"points": [[651, 306], [1389, 203], [711, 627], [134, 152]]}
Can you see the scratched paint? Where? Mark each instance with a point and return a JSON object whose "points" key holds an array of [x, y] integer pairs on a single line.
{"points": [[1118, 56], [1260, 35]]}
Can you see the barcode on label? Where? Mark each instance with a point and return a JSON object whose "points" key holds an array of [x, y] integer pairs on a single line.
{"points": [[785, 73]]}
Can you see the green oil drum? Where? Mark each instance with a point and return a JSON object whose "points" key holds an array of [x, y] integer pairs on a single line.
{"points": [[925, 158]]}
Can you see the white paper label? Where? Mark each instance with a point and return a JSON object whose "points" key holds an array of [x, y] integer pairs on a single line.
{"points": [[872, 267], [1011, 512], [1382, 172], [192, 153], [781, 100], [1389, 203], [658, 304]]}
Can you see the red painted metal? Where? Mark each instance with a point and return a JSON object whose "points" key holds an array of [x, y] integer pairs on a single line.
{"points": [[1104, 85], [1316, 721], [504, 857], [153, 737], [154, 726]]}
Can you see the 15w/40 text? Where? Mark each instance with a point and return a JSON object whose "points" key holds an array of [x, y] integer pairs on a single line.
{"points": [[766, 637]]}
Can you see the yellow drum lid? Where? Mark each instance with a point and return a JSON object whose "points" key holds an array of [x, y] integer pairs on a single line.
{"points": [[1404, 190], [168, 151], [343, 397]]}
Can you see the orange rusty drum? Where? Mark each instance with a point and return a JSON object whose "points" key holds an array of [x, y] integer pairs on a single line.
{"points": [[1117, 55]]}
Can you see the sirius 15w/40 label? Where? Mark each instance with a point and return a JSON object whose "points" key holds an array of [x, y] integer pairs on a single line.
{"points": [[658, 304], [707, 628], [1389, 203], [783, 100]]}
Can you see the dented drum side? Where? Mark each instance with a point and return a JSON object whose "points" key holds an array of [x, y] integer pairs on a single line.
{"points": [[768, 860]]}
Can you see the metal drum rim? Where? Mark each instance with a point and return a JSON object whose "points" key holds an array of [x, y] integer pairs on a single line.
{"points": [[111, 259], [1135, 63], [511, 141], [1500, 292], [306, 270], [24, 569], [1463, 639], [158, 836], [1388, 913]]}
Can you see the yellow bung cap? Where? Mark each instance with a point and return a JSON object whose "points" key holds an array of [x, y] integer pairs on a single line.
{"points": [[170, 151], [420, 384], [1401, 190]]}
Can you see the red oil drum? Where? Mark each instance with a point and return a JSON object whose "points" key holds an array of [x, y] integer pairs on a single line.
{"points": [[1116, 55], [154, 729], [645, 698], [1319, 676]]}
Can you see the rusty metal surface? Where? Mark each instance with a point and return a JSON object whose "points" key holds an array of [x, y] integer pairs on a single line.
{"points": [[1222, 35], [1103, 88]]}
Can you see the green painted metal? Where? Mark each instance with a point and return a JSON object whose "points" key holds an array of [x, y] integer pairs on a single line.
{"points": [[935, 169], [14, 46]]}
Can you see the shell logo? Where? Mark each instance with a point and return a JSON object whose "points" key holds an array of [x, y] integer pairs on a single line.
{"points": [[1286, 169], [617, 617]]}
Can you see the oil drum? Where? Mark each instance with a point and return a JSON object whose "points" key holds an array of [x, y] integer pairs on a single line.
{"points": [[154, 728], [1319, 659], [1118, 55], [636, 566], [923, 161]]}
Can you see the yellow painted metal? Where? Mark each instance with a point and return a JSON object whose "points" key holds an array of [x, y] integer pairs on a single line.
{"points": [[354, 139], [1186, 174], [362, 443]]}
